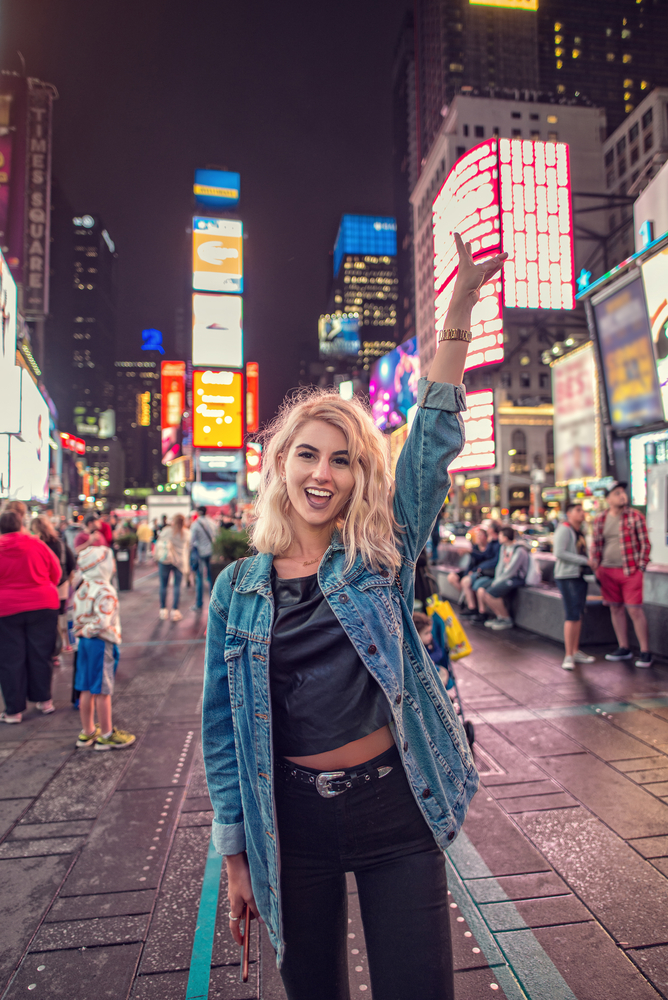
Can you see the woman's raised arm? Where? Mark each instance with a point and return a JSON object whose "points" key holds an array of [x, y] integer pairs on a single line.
{"points": [[450, 358]]}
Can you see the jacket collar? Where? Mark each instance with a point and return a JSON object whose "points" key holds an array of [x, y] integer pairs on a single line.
{"points": [[258, 575]]}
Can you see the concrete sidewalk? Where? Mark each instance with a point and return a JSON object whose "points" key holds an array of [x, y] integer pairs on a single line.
{"points": [[558, 884]]}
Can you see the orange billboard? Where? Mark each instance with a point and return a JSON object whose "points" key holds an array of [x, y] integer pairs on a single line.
{"points": [[218, 400], [217, 255]]}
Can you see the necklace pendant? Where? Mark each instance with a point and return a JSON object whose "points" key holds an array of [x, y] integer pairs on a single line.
{"points": [[310, 563]]}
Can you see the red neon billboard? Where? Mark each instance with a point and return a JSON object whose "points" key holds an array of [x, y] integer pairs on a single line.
{"points": [[512, 195], [252, 397]]}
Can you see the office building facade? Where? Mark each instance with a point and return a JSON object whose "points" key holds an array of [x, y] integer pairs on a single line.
{"points": [[138, 416]]}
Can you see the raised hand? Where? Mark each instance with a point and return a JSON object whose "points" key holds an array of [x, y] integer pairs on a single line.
{"points": [[471, 276]]}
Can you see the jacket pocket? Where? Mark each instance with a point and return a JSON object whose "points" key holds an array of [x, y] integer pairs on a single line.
{"points": [[383, 594], [233, 661]]}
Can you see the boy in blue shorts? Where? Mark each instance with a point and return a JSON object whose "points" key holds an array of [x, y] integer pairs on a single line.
{"points": [[98, 629]]}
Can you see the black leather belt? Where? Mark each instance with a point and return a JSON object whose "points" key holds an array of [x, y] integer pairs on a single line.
{"points": [[330, 783]]}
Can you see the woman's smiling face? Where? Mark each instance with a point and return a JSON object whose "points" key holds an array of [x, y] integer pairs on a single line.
{"points": [[317, 474]]}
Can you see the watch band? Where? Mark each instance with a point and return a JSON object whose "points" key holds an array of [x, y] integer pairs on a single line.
{"points": [[454, 333]]}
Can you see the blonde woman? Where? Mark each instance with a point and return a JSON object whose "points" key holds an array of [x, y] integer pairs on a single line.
{"points": [[172, 552], [329, 741]]}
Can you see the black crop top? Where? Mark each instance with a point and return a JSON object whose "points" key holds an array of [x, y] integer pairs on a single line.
{"points": [[322, 695]]}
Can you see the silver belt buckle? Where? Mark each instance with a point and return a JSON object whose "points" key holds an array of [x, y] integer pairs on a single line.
{"points": [[322, 783]]}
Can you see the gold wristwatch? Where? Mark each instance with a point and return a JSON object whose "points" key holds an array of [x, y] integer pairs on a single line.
{"points": [[453, 333]]}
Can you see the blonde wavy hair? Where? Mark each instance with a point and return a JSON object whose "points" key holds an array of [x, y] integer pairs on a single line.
{"points": [[367, 524]]}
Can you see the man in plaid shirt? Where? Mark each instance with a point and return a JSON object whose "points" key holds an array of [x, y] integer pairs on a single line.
{"points": [[619, 556]]}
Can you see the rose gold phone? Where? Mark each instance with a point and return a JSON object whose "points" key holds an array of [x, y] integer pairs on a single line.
{"points": [[245, 945]]}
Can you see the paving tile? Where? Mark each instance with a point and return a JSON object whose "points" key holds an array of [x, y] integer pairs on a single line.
{"points": [[546, 787], [592, 965], [466, 952], [528, 803], [627, 808], [134, 714], [157, 758], [537, 739], [111, 904], [590, 858], [535, 885], [172, 929], [182, 702], [198, 803], [534, 913], [515, 764], [87, 974], [115, 857], [600, 736], [10, 810], [25, 773], [501, 845], [27, 886], [653, 962], [643, 725], [40, 848], [518, 686], [90, 933], [29, 831], [196, 818], [652, 774], [651, 847], [659, 788], [661, 864], [476, 983], [79, 790]]}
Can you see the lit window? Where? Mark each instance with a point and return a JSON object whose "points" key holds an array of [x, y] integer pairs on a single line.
{"points": [[644, 84], [576, 53], [608, 32], [525, 360], [610, 56], [628, 83], [626, 33], [552, 119], [561, 89], [456, 68], [627, 57], [558, 51], [557, 26], [628, 108], [558, 39], [559, 64]]}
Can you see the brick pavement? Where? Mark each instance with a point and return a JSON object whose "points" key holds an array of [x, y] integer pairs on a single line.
{"points": [[559, 884]]}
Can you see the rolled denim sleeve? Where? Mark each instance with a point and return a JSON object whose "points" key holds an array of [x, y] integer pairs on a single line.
{"points": [[220, 758], [421, 480]]}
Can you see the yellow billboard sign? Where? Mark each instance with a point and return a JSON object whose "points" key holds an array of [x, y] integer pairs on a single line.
{"points": [[512, 4]]}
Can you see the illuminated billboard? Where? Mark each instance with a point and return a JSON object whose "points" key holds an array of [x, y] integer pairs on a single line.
{"points": [[218, 409], [479, 451], [217, 331], [217, 188], [655, 279], [72, 443], [510, 4], [393, 385], [574, 394], [29, 453], [627, 354], [172, 405], [374, 235], [511, 195], [339, 335], [217, 255], [214, 494], [252, 397], [10, 373]]}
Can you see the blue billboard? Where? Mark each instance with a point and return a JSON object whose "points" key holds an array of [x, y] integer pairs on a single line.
{"points": [[216, 188], [365, 234]]}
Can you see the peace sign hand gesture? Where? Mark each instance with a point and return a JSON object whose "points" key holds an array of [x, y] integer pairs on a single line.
{"points": [[470, 276]]}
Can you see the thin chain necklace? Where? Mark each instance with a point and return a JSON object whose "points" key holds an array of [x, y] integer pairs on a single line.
{"points": [[311, 561]]}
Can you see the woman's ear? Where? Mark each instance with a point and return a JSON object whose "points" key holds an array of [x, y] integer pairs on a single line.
{"points": [[280, 466]]}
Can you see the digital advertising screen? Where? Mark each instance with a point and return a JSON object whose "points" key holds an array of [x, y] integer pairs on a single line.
{"points": [[29, 454], [479, 451], [217, 188], [374, 235], [339, 335], [655, 279], [218, 255], [218, 403], [510, 4], [218, 331], [217, 465], [574, 395], [627, 354], [393, 385], [214, 494], [252, 397], [172, 405]]}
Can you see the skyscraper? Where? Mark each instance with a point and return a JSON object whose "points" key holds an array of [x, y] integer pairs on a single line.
{"points": [[404, 170]]}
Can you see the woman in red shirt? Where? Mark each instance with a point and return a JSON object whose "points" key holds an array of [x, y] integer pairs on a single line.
{"points": [[29, 575]]}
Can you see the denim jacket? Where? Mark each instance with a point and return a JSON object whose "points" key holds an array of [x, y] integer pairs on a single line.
{"points": [[376, 614]]}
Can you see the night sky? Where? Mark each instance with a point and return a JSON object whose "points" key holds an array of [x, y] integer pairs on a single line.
{"points": [[295, 96]]}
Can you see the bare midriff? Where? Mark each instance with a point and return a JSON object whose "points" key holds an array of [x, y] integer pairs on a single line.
{"points": [[349, 755]]}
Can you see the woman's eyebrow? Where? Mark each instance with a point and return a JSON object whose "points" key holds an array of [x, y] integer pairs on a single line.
{"points": [[311, 447]]}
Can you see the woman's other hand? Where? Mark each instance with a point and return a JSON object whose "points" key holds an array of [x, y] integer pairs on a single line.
{"points": [[470, 276], [239, 891]]}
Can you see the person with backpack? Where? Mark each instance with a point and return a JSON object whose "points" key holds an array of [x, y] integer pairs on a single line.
{"points": [[511, 572], [330, 744], [172, 555], [202, 534], [571, 564]]}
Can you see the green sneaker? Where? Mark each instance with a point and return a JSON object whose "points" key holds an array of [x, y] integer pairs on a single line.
{"points": [[118, 740], [87, 739]]}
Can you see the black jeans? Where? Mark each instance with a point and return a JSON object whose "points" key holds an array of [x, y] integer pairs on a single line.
{"points": [[376, 831], [27, 641]]}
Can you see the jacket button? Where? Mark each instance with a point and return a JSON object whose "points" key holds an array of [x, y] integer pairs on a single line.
{"points": [[405, 746], [451, 835], [343, 599], [372, 649], [425, 793], [398, 699], [384, 573]]}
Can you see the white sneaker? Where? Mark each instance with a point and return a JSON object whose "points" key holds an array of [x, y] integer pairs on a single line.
{"points": [[176, 615], [581, 657], [569, 663], [164, 613], [502, 623]]}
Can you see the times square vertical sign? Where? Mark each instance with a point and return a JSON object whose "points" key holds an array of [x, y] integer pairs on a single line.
{"points": [[38, 201]]}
